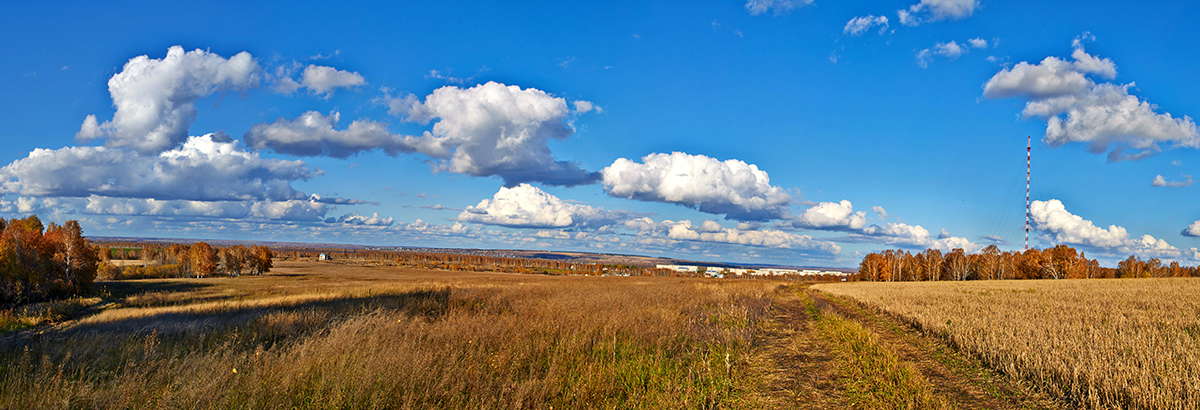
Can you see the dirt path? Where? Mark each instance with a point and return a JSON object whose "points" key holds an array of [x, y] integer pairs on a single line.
{"points": [[966, 383], [800, 370]]}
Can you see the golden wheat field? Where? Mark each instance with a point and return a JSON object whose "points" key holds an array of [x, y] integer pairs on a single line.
{"points": [[1119, 343], [334, 336]]}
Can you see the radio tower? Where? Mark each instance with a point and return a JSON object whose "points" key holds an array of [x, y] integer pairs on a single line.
{"points": [[1028, 157]]}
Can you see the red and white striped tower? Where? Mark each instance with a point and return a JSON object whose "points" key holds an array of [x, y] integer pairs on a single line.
{"points": [[1028, 157]]}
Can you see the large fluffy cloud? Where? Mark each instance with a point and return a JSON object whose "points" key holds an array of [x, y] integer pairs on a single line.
{"points": [[486, 130], [1107, 116], [494, 129], [739, 190], [1077, 109], [211, 167], [1052, 218], [150, 167], [526, 206], [937, 10], [155, 99], [1053, 77]]}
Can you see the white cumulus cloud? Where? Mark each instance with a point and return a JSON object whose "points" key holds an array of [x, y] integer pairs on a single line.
{"points": [[841, 216], [1077, 109], [313, 134], [1052, 218], [495, 130], [211, 167], [319, 80], [734, 188], [155, 99], [1053, 77], [1192, 230], [831, 216], [936, 10], [324, 80], [526, 206], [1109, 119], [902, 234]]}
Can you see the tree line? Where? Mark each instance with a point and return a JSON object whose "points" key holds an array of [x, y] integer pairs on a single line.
{"points": [[182, 260], [1058, 262], [40, 262]]}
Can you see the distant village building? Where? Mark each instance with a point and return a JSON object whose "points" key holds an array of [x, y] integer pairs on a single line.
{"points": [[723, 272], [678, 268], [323, 257]]}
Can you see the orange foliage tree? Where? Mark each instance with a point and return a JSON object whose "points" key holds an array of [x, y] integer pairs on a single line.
{"points": [[204, 259], [39, 262], [1058, 262]]}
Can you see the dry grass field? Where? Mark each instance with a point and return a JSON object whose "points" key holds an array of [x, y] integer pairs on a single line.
{"points": [[1100, 344], [358, 334], [333, 335]]}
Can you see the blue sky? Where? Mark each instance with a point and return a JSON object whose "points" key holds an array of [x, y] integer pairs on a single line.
{"points": [[636, 127]]}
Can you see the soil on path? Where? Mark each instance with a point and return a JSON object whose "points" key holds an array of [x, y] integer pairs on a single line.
{"points": [[802, 370]]}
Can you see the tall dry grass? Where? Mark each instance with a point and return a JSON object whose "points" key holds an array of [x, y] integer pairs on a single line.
{"points": [[1124, 343], [35, 314], [444, 341]]}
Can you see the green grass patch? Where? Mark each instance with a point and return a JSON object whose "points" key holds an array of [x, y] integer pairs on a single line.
{"points": [[875, 378]]}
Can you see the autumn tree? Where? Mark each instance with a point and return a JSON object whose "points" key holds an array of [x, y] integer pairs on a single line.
{"points": [[38, 263], [235, 259], [989, 261], [932, 264], [74, 255], [955, 266], [1133, 267], [203, 259], [259, 260], [871, 267]]}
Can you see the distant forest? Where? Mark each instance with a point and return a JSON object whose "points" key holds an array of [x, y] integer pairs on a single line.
{"points": [[42, 262], [1059, 262]]}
